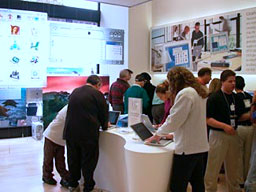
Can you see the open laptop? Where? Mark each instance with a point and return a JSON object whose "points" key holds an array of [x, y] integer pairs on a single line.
{"points": [[145, 119], [113, 117], [144, 133]]}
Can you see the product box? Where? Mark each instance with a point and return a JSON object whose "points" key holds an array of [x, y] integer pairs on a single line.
{"points": [[37, 130]]}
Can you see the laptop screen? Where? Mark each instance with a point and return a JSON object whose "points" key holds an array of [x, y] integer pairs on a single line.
{"points": [[113, 117], [142, 131]]}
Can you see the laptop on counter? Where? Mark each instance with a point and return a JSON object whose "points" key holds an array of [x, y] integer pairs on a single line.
{"points": [[145, 119], [113, 117], [144, 133]]}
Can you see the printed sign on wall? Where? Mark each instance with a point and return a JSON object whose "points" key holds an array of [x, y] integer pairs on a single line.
{"points": [[224, 41]]}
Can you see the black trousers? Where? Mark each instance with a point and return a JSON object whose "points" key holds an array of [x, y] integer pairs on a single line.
{"points": [[188, 168], [82, 155]]}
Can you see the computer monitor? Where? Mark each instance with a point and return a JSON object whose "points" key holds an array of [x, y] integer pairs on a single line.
{"points": [[31, 109], [219, 42]]}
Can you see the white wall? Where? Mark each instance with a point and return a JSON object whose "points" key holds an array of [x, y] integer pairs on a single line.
{"points": [[171, 11], [139, 37], [116, 17]]}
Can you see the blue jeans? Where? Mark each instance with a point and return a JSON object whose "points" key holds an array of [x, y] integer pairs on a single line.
{"points": [[250, 184]]}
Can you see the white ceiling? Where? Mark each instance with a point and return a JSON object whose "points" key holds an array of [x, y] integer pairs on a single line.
{"points": [[125, 3]]}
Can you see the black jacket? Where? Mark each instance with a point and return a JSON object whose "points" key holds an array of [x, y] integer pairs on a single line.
{"points": [[87, 112]]}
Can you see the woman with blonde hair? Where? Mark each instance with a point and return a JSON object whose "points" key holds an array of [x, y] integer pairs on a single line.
{"points": [[187, 122], [214, 86]]}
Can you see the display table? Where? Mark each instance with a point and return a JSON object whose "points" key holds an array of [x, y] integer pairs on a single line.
{"points": [[127, 165], [207, 58]]}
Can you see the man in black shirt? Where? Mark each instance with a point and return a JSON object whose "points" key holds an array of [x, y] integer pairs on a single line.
{"points": [[245, 129], [87, 112], [150, 89], [224, 109]]}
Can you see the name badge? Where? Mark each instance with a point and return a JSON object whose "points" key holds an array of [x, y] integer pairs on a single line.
{"points": [[233, 122], [247, 103], [232, 107]]}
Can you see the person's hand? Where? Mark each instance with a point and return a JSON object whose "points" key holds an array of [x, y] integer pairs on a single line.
{"points": [[169, 136], [153, 139], [157, 126], [254, 97], [229, 130]]}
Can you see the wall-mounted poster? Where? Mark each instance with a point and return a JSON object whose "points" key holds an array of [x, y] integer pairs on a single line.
{"points": [[224, 41], [24, 48], [172, 54], [14, 101]]}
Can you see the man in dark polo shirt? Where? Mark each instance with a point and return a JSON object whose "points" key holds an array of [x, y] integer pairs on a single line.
{"points": [[117, 90], [224, 109], [245, 130]]}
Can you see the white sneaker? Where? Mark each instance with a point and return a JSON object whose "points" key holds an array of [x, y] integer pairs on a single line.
{"points": [[74, 189]]}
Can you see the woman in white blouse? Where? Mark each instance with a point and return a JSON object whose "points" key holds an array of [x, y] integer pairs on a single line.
{"points": [[187, 122]]}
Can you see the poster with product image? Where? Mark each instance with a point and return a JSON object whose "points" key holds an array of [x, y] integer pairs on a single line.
{"points": [[223, 41]]}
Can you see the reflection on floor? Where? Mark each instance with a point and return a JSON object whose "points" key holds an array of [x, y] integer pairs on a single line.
{"points": [[21, 167]]}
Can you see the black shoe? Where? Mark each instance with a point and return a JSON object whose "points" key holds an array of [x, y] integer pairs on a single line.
{"points": [[50, 181], [241, 186], [64, 183]]}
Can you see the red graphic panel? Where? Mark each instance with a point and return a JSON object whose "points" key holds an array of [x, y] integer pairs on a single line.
{"points": [[69, 83]]}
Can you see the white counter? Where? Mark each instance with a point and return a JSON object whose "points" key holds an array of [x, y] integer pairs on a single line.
{"points": [[127, 165]]}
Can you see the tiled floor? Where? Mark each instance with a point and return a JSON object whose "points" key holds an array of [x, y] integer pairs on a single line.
{"points": [[21, 163]]}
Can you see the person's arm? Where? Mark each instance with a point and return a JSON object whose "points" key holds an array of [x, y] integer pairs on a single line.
{"points": [[241, 111], [178, 115], [145, 99], [220, 125], [253, 108], [103, 111], [125, 103], [245, 116], [110, 96], [192, 39]]}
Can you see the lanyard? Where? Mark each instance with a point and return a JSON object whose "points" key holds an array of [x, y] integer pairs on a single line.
{"points": [[231, 104]]}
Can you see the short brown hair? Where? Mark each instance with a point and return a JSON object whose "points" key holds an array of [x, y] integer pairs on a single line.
{"points": [[94, 79], [203, 71], [226, 74]]}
